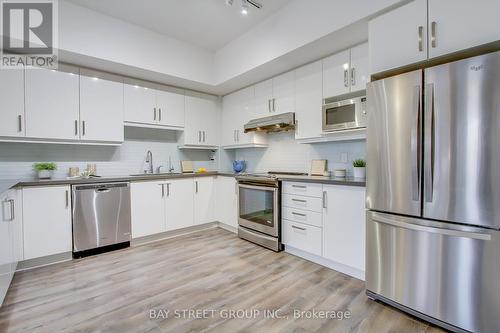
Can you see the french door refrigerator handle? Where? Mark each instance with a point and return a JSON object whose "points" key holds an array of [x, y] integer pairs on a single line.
{"points": [[429, 142], [440, 231], [415, 146]]}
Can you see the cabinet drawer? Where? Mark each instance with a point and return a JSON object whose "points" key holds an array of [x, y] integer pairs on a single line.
{"points": [[302, 236], [301, 202], [303, 216], [307, 189]]}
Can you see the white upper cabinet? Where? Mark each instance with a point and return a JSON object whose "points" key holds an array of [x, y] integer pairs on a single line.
{"points": [[179, 203], [171, 108], [308, 100], [204, 200], [47, 221], [263, 99], [147, 208], [455, 25], [201, 121], [398, 38], [359, 72], [140, 104], [12, 96], [336, 76], [283, 93], [101, 110], [52, 107]]}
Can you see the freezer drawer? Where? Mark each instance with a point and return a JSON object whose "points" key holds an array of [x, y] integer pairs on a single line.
{"points": [[444, 271], [101, 215]]}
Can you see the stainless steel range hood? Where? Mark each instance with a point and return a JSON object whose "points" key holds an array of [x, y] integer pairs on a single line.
{"points": [[278, 123]]}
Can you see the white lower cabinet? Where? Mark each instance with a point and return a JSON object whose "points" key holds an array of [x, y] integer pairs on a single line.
{"points": [[226, 201], [147, 208], [179, 203], [302, 236], [204, 200], [344, 225], [331, 227], [47, 221]]}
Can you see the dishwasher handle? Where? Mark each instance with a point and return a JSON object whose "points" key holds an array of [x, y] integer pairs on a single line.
{"points": [[99, 186]]}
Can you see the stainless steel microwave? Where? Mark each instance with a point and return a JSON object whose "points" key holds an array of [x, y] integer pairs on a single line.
{"points": [[346, 114]]}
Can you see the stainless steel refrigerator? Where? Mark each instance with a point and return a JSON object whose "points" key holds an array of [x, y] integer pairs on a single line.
{"points": [[433, 193]]}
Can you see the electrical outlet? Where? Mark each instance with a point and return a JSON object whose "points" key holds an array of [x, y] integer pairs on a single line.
{"points": [[344, 157]]}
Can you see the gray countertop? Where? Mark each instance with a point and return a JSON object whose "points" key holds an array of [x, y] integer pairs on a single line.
{"points": [[5, 185]]}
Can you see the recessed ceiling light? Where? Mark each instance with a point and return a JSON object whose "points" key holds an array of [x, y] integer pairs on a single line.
{"points": [[244, 7], [229, 2]]}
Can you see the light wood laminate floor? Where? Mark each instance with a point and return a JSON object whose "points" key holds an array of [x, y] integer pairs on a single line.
{"points": [[212, 270]]}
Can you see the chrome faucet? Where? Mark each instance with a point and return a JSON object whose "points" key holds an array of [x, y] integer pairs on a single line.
{"points": [[149, 161]]}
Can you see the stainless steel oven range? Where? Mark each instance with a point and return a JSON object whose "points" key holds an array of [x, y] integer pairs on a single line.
{"points": [[259, 212]]}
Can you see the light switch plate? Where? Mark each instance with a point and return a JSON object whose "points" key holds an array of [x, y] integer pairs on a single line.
{"points": [[344, 157]]}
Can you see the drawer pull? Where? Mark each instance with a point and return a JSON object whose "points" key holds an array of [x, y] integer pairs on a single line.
{"points": [[298, 228], [299, 186], [299, 214], [298, 200]]}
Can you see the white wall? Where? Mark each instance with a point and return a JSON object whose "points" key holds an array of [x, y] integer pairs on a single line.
{"points": [[285, 154], [90, 33], [16, 159], [297, 24]]}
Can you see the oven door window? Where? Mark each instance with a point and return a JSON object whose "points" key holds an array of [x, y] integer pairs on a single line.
{"points": [[257, 206], [341, 114]]}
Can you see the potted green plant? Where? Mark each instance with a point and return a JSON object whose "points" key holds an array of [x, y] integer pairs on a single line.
{"points": [[45, 169], [359, 168]]}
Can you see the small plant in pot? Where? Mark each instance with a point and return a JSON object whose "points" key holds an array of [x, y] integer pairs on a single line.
{"points": [[359, 168], [45, 170]]}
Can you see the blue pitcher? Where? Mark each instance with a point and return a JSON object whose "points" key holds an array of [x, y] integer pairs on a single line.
{"points": [[239, 166]]}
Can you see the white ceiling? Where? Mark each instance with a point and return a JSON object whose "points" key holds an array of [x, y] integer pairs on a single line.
{"points": [[210, 24]]}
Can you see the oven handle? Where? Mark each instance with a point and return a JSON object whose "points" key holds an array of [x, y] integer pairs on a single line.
{"points": [[254, 187]]}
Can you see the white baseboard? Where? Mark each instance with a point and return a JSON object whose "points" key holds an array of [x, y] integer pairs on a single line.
{"points": [[351, 271]]}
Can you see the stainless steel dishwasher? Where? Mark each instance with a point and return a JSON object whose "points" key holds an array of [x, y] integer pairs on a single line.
{"points": [[101, 218]]}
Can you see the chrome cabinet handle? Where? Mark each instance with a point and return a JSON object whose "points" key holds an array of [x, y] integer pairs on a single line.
{"points": [[67, 199], [429, 142], [274, 105], [299, 186], [204, 136], [299, 200], [353, 76], [299, 214], [325, 197], [154, 113], [415, 146], [238, 135], [199, 136], [269, 105], [162, 190], [420, 38], [433, 34], [298, 228], [159, 114], [196, 186], [20, 123], [76, 127], [83, 128], [168, 189], [12, 210], [346, 79]]}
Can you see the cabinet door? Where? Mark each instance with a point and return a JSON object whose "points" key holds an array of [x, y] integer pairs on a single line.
{"points": [[455, 25], [226, 201], [263, 99], [245, 111], [6, 246], [12, 97], [52, 104], [101, 110], [336, 75], [359, 72], [308, 100], [16, 196], [147, 208], [204, 200], [398, 38], [140, 105], [179, 208], [229, 120], [344, 225], [170, 108], [284, 93], [201, 121], [47, 221]]}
